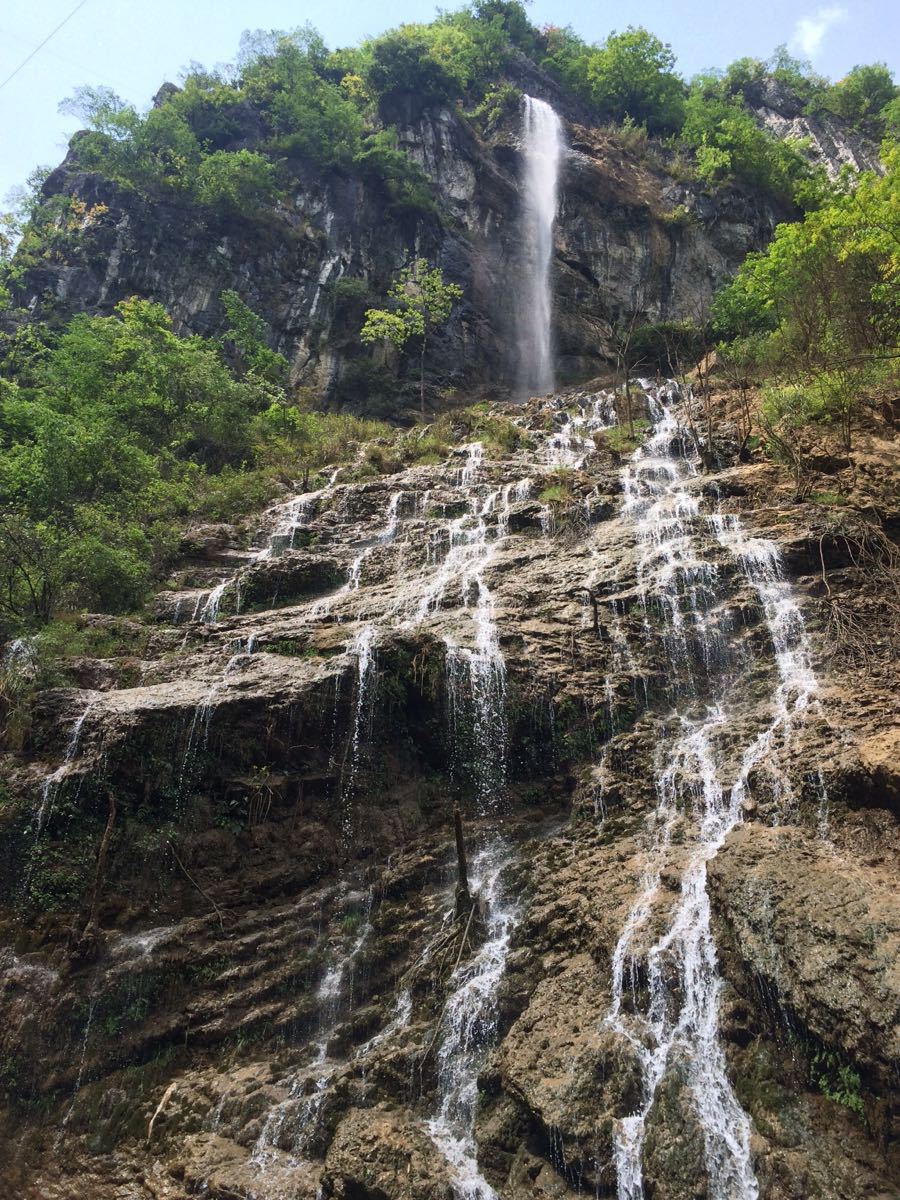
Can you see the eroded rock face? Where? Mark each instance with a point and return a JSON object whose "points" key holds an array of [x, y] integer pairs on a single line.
{"points": [[821, 934], [825, 138], [618, 249], [251, 997]]}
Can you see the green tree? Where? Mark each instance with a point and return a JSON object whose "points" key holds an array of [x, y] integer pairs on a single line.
{"points": [[730, 144], [422, 302], [632, 75], [862, 96], [247, 331], [826, 293], [284, 75]]}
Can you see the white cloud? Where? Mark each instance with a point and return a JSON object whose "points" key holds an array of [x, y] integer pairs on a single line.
{"points": [[809, 32]]}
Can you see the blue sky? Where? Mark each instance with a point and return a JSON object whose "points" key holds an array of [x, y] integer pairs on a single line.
{"points": [[134, 45]]}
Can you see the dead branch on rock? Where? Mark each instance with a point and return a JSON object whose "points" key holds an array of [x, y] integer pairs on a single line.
{"points": [[876, 569], [206, 896]]}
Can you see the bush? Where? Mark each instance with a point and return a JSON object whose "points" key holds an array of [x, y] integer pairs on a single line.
{"points": [[236, 181], [284, 74], [415, 60], [861, 98], [105, 440], [630, 75], [403, 181], [729, 143]]}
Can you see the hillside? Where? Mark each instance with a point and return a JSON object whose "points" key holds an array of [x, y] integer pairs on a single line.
{"points": [[449, 622]]}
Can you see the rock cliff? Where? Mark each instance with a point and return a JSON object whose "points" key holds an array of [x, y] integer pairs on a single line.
{"points": [[629, 238], [237, 957]]}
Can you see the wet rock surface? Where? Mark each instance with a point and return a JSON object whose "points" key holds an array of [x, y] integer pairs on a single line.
{"points": [[254, 996]]}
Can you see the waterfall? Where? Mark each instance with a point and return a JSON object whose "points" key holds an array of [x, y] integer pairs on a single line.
{"points": [[671, 1021], [52, 782], [468, 1026], [542, 144]]}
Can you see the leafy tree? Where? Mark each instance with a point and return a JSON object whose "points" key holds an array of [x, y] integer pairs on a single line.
{"points": [[827, 291], [157, 150], [284, 74], [729, 143], [862, 96], [743, 75], [632, 75], [213, 107], [413, 61], [566, 55], [404, 181], [796, 74], [247, 331], [422, 302]]}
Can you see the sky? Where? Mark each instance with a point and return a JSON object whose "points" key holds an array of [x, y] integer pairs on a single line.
{"points": [[135, 45]]}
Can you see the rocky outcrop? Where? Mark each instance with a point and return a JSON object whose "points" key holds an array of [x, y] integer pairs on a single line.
{"points": [[820, 935], [248, 994], [628, 238], [824, 138]]}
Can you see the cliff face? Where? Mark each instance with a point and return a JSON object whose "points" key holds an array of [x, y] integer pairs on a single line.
{"points": [[628, 238], [237, 957], [826, 138]]}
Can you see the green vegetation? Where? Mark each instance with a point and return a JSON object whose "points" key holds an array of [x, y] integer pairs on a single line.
{"points": [[116, 430], [621, 440], [631, 75], [836, 1080], [231, 139], [729, 144], [817, 315], [421, 302]]}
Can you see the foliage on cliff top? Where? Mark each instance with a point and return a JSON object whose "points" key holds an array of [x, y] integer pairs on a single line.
{"points": [[817, 314], [229, 138]]}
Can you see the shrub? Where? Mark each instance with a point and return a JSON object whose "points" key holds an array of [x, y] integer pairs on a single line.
{"points": [[236, 181], [403, 180]]}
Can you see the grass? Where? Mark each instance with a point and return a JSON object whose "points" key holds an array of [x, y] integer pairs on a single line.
{"points": [[557, 493], [619, 440], [830, 499]]}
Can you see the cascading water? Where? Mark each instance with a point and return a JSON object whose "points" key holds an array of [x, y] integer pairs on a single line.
{"points": [[468, 1025], [671, 1020], [52, 782], [294, 1120], [542, 145]]}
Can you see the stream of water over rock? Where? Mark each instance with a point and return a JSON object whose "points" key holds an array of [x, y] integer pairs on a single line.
{"points": [[687, 571], [671, 1019], [689, 563]]}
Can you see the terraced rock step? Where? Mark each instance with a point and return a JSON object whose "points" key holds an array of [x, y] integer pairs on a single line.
{"points": [[671, 972]]}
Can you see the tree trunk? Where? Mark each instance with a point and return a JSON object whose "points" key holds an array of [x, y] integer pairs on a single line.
{"points": [[422, 378]]}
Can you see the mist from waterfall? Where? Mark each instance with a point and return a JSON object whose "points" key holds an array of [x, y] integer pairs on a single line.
{"points": [[542, 145]]}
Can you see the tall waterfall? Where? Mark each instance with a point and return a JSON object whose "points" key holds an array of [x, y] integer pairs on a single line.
{"points": [[542, 142]]}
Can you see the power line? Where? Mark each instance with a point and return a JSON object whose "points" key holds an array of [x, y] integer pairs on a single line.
{"points": [[37, 49]]}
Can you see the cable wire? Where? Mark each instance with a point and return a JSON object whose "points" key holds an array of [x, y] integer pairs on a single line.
{"points": [[38, 48]]}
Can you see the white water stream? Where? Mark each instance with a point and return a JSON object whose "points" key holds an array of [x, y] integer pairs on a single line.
{"points": [[666, 986], [469, 1023], [542, 148]]}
